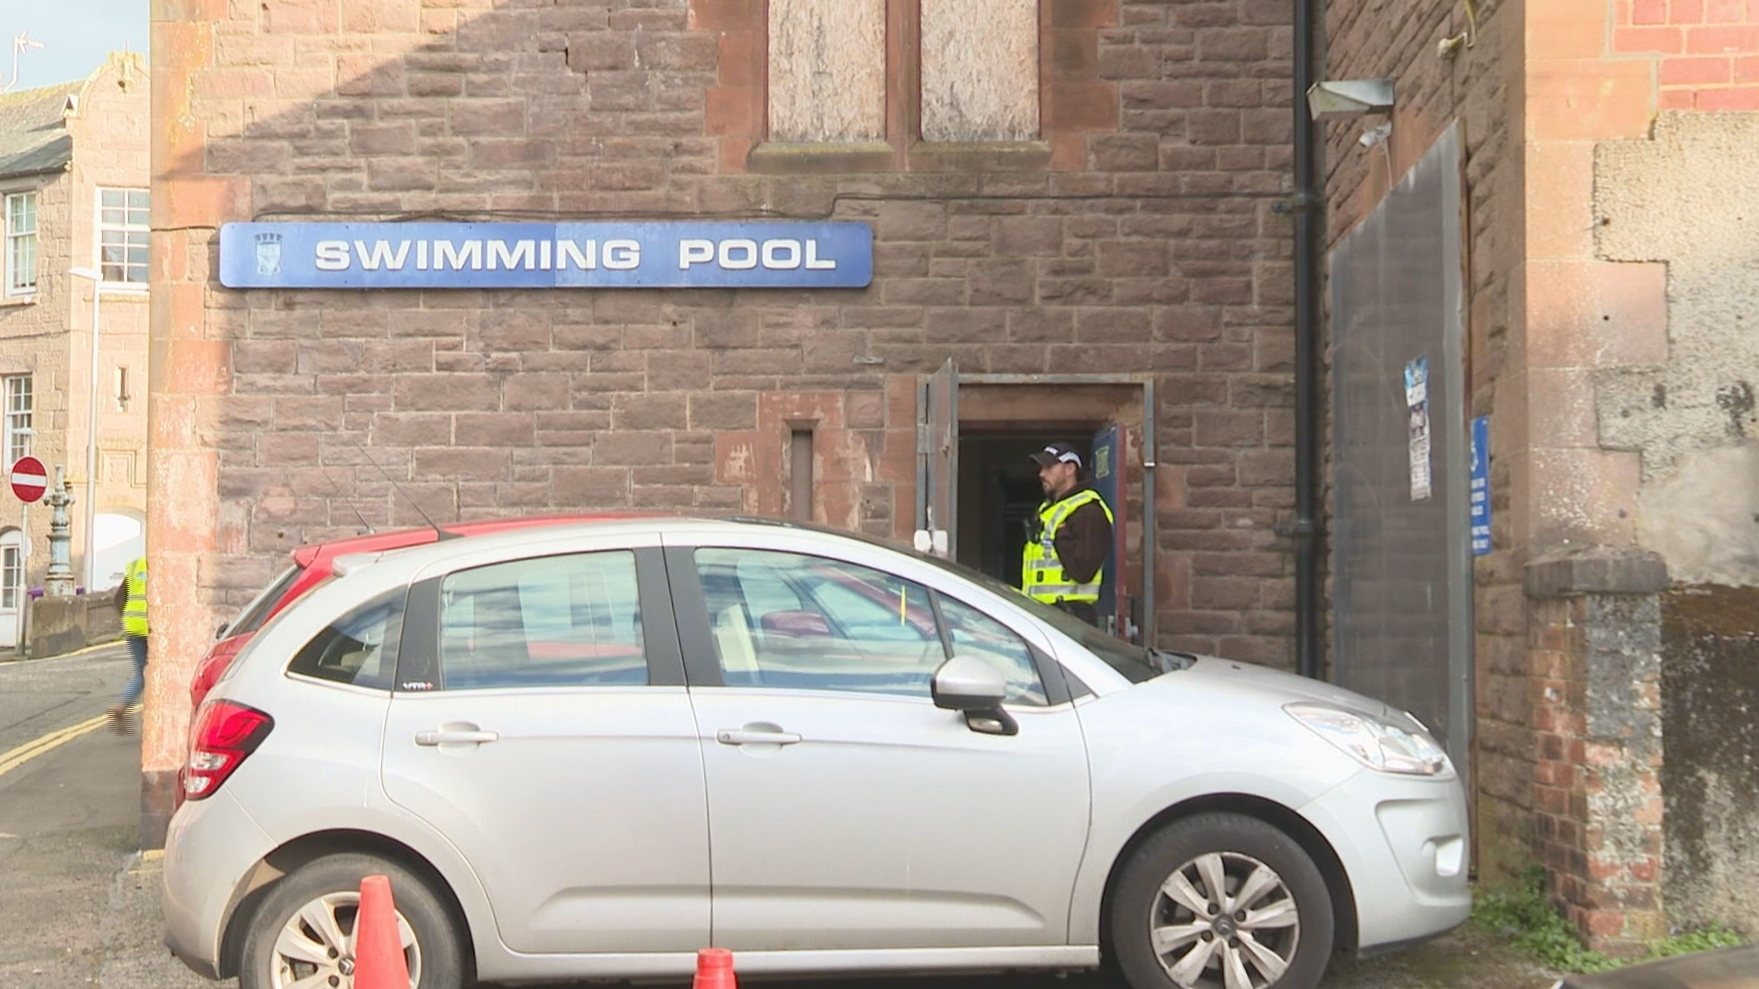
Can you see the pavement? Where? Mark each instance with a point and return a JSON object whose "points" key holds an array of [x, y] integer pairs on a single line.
{"points": [[80, 903]]}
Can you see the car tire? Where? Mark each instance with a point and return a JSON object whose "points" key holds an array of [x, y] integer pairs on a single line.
{"points": [[316, 904], [1160, 940]]}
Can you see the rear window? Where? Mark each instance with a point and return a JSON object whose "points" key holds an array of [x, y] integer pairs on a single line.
{"points": [[257, 612], [360, 648]]}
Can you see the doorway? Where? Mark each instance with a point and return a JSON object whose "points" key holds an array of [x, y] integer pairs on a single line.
{"points": [[11, 586], [977, 433], [999, 495]]}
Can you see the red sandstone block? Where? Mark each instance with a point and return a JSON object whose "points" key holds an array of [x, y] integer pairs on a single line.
{"points": [[1083, 13], [1686, 12], [724, 15], [1695, 71], [1747, 69], [1649, 12], [1081, 106], [302, 17], [1637, 40], [1676, 99], [1725, 11], [1603, 923], [731, 110], [1743, 40], [1584, 101]]}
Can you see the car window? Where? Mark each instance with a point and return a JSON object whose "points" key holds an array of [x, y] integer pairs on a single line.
{"points": [[979, 636], [360, 648], [1135, 663], [257, 611], [805, 622], [570, 620]]}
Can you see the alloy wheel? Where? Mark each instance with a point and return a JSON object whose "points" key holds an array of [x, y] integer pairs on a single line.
{"points": [[315, 949], [1224, 921]]}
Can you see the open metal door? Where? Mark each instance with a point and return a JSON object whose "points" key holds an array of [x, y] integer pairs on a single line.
{"points": [[1109, 466], [937, 459], [1401, 559]]}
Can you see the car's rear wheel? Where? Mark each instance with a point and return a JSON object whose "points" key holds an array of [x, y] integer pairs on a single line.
{"points": [[302, 933], [1221, 901]]}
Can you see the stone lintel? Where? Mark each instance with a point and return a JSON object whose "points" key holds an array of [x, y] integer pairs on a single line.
{"points": [[1580, 570]]}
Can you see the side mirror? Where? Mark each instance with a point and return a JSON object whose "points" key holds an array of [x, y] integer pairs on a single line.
{"points": [[975, 689]]}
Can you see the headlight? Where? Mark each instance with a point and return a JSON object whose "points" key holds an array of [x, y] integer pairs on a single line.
{"points": [[1377, 743]]}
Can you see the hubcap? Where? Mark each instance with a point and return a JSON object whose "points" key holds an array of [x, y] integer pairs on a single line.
{"points": [[1224, 921], [316, 945]]}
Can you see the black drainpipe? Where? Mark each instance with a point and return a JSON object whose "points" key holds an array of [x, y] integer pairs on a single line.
{"points": [[1308, 206]]}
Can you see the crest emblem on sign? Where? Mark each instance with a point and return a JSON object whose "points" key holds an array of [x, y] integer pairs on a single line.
{"points": [[268, 254]]}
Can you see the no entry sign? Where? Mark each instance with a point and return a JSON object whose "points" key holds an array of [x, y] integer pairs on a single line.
{"points": [[29, 479]]}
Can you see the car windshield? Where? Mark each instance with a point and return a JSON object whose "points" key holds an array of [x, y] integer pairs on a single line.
{"points": [[1133, 661]]}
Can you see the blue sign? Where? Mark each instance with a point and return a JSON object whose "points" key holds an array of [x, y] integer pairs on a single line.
{"points": [[1480, 486], [672, 254]]}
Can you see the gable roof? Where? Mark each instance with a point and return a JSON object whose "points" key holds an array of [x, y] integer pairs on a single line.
{"points": [[33, 132]]}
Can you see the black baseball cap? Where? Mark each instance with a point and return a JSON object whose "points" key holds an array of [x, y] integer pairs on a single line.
{"points": [[1056, 453]]}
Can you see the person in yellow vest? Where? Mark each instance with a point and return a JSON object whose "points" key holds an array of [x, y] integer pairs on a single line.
{"points": [[1070, 539], [131, 598]]}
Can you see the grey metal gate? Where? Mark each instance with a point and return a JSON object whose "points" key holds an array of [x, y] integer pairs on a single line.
{"points": [[1400, 554]]}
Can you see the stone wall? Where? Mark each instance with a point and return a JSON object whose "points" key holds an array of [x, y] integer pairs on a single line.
{"points": [[1687, 404], [1596, 652], [69, 624], [1710, 692]]}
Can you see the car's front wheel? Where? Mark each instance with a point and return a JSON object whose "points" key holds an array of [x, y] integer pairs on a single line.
{"points": [[302, 933], [1221, 901]]}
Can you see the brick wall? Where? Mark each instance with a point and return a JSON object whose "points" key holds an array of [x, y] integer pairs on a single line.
{"points": [[1706, 52], [1146, 245]]}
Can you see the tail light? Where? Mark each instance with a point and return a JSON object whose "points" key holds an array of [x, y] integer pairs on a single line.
{"points": [[225, 734], [208, 674]]}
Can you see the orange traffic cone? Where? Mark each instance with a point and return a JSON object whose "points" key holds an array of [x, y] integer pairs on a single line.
{"points": [[714, 970], [378, 949]]}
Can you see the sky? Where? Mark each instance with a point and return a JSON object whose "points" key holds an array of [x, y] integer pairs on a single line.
{"points": [[75, 35]]}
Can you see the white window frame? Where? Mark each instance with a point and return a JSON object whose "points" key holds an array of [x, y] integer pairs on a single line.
{"points": [[127, 230], [15, 291], [18, 393]]}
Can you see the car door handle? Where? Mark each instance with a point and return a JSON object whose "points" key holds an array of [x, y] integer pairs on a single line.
{"points": [[727, 736], [444, 736]]}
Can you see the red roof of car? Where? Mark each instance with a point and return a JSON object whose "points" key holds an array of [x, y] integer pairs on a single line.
{"points": [[379, 542]]}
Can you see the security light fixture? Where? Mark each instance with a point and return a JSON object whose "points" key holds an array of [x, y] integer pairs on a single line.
{"points": [[1349, 98]]}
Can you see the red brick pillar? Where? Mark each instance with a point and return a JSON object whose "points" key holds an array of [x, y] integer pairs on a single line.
{"points": [[1595, 636]]}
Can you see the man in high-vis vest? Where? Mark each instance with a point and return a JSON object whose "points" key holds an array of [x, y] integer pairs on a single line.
{"points": [[132, 599], [1068, 542]]}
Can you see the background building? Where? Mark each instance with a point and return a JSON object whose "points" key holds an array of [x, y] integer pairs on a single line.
{"points": [[1074, 202], [1091, 218], [74, 172]]}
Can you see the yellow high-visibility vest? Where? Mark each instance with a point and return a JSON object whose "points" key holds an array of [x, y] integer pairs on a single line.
{"points": [[1042, 573], [134, 613]]}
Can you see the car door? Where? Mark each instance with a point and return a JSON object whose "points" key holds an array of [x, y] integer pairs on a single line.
{"points": [[846, 811], [541, 724]]}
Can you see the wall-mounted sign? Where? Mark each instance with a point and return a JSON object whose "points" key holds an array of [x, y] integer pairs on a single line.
{"points": [[1417, 406], [671, 254], [1480, 486]]}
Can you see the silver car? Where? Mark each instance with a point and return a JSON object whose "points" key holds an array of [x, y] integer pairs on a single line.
{"points": [[585, 752]]}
